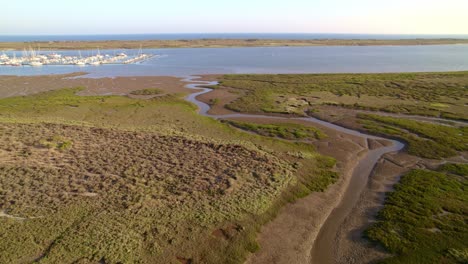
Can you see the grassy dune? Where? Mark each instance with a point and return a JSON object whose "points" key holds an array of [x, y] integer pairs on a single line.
{"points": [[430, 94], [87, 179], [217, 43]]}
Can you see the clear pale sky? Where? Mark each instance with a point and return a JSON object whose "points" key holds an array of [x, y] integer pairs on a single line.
{"points": [[218, 16]]}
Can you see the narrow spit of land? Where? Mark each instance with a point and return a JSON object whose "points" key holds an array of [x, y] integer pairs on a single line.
{"points": [[219, 43]]}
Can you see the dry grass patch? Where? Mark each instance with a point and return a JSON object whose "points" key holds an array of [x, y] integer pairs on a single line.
{"points": [[122, 180], [113, 192]]}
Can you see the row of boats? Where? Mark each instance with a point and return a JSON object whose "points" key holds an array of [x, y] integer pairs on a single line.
{"points": [[34, 58]]}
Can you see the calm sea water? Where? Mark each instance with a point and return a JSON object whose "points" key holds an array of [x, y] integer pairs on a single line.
{"points": [[20, 38], [184, 62]]}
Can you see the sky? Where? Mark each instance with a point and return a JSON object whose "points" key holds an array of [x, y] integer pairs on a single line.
{"points": [[72, 17]]}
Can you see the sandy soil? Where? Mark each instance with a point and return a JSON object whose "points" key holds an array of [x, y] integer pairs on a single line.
{"points": [[377, 143], [25, 85]]}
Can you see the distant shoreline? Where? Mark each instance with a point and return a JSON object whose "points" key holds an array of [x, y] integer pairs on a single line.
{"points": [[221, 43]]}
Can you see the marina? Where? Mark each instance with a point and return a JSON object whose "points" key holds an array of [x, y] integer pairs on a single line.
{"points": [[35, 58]]}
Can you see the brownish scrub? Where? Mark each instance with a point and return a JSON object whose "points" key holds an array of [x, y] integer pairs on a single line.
{"points": [[25, 85]]}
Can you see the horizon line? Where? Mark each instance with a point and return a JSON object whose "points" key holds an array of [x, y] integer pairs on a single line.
{"points": [[213, 33]]}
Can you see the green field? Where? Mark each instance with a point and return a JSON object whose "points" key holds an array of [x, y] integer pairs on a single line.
{"points": [[89, 179], [425, 220], [430, 94]]}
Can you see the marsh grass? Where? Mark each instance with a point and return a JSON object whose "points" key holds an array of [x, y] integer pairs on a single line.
{"points": [[453, 168], [287, 131], [147, 91], [424, 139], [425, 219], [406, 93]]}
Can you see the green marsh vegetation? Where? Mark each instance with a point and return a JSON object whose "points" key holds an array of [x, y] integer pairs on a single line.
{"points": [[122, 180], [425, 220], [431, 94], [147, 91], [456, 169], [281, 130], [424, 139], [213, 102]]}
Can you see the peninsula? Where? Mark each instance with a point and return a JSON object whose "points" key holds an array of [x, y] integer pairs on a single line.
{"points": [[220, 43]]}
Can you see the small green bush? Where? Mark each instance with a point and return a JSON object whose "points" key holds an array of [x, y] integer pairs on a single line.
{"points": [[148, 91]]}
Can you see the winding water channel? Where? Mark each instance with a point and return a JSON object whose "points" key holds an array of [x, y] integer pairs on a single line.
{"points": [[323, 249]]}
